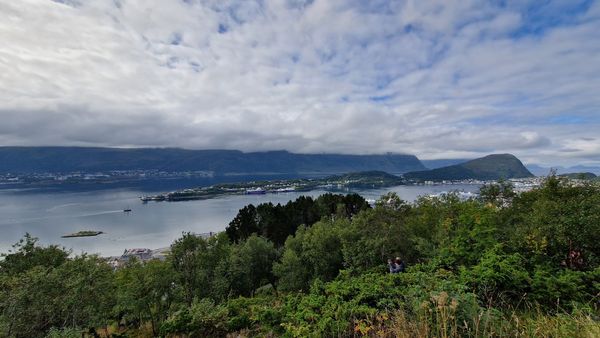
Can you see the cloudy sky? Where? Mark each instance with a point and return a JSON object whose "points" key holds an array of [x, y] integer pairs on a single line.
{"points": [[439, 79]]}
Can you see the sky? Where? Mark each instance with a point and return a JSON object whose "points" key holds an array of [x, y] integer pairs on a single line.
{"points": [[438, 79]]}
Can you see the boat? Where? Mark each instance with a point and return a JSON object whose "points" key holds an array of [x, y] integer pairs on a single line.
{"points": [[127, 210], [256, 191]]}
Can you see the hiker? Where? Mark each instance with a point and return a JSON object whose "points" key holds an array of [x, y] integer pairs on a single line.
{"points": [[396, 265], [391, 265], [400, 265]]}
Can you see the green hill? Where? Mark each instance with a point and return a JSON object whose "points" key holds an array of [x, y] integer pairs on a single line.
{"points": [[491, 167], [580, 176]]}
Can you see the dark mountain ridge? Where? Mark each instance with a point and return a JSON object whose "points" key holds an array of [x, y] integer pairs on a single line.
{"points": [[220, 162], [440, 163], [491, 167]]}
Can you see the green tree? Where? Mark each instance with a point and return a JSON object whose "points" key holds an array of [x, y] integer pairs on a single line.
{"points": [[376, 235], [497, 194], [314, 252], [90, 292], [243, 225], [549, 223], [26, 254], [194, 260], [77, 294], [248, 267], [146, 291]]}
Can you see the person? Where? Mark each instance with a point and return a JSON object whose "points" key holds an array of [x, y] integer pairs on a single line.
{"points": [[396, 265], [392, 266], [400, 267]]}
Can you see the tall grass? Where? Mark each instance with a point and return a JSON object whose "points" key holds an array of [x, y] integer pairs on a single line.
{"points": [[438, 318]]}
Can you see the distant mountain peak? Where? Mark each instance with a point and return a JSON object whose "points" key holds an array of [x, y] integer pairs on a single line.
{"points": [[490, 167]]}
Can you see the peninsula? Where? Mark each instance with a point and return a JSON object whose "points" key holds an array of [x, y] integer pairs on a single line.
{"points": [[84, 233]]}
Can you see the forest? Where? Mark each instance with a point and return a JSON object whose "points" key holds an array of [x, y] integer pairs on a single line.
{"points": [[503, 264]]}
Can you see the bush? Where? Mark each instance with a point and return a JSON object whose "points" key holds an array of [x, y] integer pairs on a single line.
{"points": [[258, 315], [498, 278], [64, 333], [202, 319]]}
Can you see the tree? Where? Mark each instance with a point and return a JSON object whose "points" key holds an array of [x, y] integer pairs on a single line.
{"points": [[195, 259], [247, 268], [243, 225], [77, 294], [146, 291], [26, 254], [499, 194], [90, 291], [554, 221], [314, 252]]}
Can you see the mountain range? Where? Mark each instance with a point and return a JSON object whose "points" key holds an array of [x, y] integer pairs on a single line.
{"points": [[544, 171], [220, 162]]}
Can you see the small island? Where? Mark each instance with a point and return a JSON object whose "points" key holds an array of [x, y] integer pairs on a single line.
{"points": [[84, 233]]}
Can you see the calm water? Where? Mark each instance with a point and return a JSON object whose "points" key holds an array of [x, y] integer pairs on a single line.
{"points": [[49, 215]]}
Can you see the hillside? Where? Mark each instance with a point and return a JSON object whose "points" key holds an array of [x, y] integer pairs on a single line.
{"points": [[491, 167], [580, 176], [545, 171], [70, 159], [440, 163]]}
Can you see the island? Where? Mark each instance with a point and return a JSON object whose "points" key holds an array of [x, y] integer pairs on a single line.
{"points": [[365, 179], [84, 233]]}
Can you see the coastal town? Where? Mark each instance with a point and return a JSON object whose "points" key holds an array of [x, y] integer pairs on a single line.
{"points": [[79, 177]]}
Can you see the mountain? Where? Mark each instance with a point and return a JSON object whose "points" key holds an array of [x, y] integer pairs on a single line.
{"points": [[538, 170], [220, 162], [434, 164], [544, 171], [580, 176], [491, 167]]}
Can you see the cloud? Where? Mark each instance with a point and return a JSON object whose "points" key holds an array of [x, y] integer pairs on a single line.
{"points": [[434, 78]]}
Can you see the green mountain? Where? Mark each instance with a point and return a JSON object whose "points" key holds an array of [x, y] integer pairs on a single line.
{"points": [[580, 176], [70, 159], [491, 167]]}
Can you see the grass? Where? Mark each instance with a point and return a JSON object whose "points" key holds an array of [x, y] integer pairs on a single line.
{"points": [[438, 318]]}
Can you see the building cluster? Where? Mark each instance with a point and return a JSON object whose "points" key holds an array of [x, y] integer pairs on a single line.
{"points": [[113, 175], [137, 254], [144, 254]]}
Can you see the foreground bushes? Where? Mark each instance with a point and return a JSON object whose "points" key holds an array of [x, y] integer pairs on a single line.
{"points": [[414, 304]]}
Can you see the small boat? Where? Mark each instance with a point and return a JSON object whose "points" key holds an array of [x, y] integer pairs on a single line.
{"points": [[127, 210]]}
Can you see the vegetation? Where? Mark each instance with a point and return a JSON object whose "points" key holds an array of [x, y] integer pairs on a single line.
{"points": [[491, 167], [505, 264]]}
